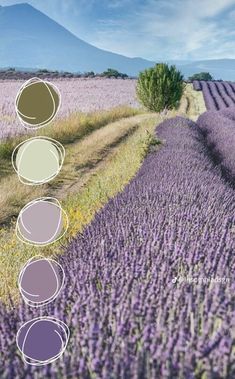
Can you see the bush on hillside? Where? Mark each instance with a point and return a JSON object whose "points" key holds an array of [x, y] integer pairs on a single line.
{"points": [[160, 87], [201, 76], [89, 74], [112, 73]]}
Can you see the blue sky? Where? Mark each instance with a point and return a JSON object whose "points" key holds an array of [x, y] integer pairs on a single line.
{"points": [[152, 29]]}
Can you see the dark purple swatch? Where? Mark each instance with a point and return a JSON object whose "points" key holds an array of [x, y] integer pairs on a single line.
{"points": [[42, 340]]}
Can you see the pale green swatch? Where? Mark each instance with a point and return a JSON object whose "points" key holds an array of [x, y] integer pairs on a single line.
{"points": [[38, 160]]}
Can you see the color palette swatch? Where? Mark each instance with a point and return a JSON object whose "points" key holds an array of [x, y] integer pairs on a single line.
{"points": [[41, 222], [40, 281], [42, 340], [38, 160], [37, 103]]}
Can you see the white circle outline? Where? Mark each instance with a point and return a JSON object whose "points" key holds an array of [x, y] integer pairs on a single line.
{"points": [[27, 84], [58, 323], [48, 121], [46, 180], [48, 200], [32, 260]]}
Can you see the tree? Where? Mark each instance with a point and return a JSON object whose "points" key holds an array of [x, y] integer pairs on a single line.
{"points": [[89, 74], [112, 73], [160, 87], [201, 76]]}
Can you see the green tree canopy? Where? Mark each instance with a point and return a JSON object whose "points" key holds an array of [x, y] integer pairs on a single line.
{"points": [[160, 87], [112, 73], [201, 76]]}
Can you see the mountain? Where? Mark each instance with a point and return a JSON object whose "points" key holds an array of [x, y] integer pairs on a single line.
{"points": [[29, 38]]}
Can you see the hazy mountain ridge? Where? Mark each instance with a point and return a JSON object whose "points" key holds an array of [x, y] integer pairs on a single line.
{"points": [[218, 68], [29, 38]]}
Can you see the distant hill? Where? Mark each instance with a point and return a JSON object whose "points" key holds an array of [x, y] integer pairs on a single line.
{"points": [[218, 68], [29, 38]]}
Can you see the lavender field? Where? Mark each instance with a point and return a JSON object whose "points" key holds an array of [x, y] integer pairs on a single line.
{"points": [[218, 123], [149, 291], [217, 95], [78, 95], [150, 283], [117, 189]]}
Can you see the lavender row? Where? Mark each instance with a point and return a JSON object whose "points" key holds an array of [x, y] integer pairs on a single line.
{"points": [[197, 85], [230, 91], [209, 98], [219, 132], [217, 95], [131, 312]]}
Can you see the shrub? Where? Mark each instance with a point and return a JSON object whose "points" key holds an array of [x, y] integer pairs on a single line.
{"points": [[201, 76], [43, 71], [89, 74], [112, 73], [160, 87]]}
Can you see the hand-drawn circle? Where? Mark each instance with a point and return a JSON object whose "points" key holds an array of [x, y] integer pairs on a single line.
{"points": [[42, 340], [37, 103], [38, 160], [40, 281], [41, 222]]}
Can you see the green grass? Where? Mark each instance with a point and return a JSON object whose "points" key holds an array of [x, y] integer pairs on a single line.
{"points": [[69, 130], [110, 178], [82, 156]]}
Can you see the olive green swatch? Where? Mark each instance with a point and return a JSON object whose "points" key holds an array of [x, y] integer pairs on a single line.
{"points": [[37, 103]]}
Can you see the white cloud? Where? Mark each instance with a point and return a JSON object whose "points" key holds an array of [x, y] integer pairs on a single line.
{"points": [[118, 3], [178, 29], [153, 29]]}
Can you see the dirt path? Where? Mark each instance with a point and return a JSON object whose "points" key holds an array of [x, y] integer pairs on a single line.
{"points": [[82, 155], [86, 156]]}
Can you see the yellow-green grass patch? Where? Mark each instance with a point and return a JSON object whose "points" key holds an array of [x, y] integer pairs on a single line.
{"points": [[70, 129], [110, 178], [192, 103], [81, 157]]}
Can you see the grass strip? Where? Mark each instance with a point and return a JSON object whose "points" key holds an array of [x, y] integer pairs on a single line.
{"points": [[120, 166]]}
